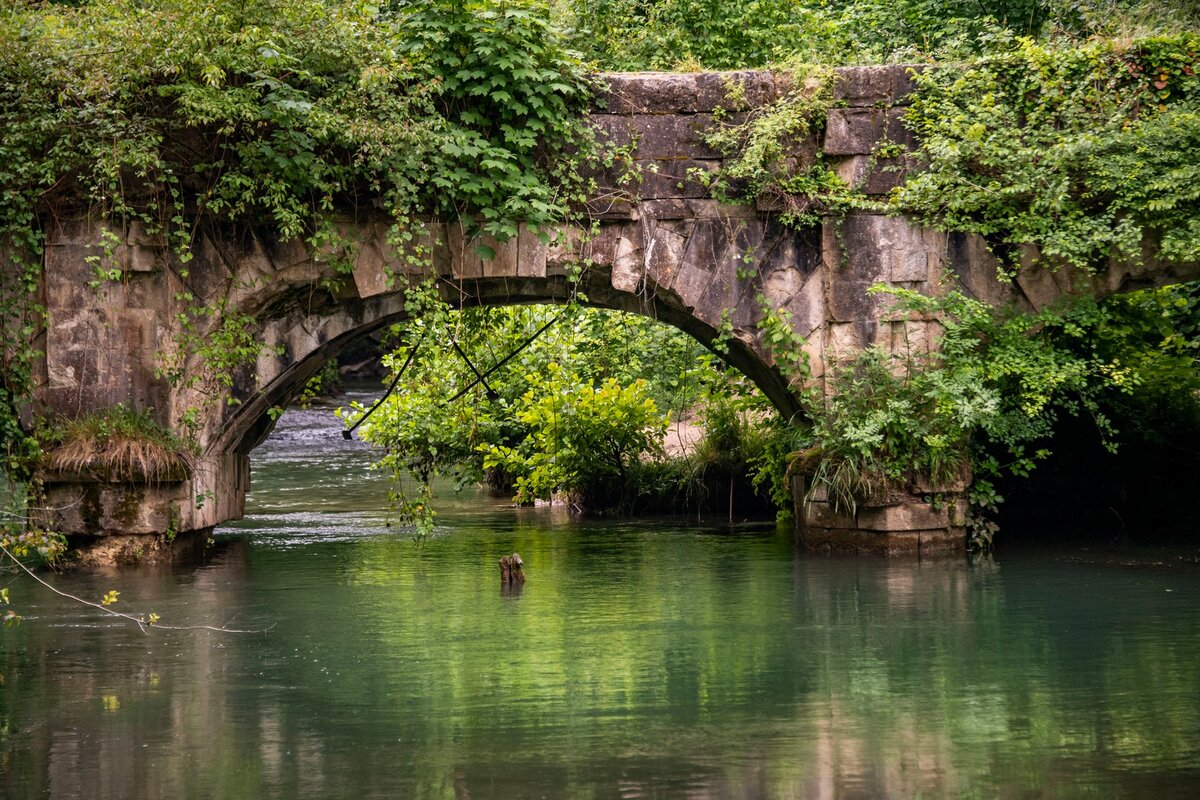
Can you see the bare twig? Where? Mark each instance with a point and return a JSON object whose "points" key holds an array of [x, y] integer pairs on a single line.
{"points": [[139, 621]]}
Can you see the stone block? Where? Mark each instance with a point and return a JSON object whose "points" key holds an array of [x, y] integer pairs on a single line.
{"points": [[849, 301], [683, 93], [814, 348], [691, 284], [910, 515], [720, 295], [612, 131], [138, 258], [627, 265], [697, 127], [874, 86], [465, 260], [714, 90], [842, 340], [715, 209], [370, 270], [648, 93], [847, 250], [825, 515], [137, 236], [909, 266], [531, 254], [668, 137], [787, 249], [856, 131], [907, 339], [64, 281], [504, 263], [807, 305], [664, 209], [942, 542], [852, 131], [779, 285], [66, 230], [879, 249], [661, 137], [708, 245], [871, 175], [566, 248], [288, 253], [950, 541], [1039, 288], [664, 256]]}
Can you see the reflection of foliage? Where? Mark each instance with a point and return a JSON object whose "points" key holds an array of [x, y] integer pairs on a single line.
{"points": [[719, 659]]}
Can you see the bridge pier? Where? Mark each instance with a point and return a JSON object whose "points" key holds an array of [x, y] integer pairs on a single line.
{"points": [[905, 523], [112, 521]]}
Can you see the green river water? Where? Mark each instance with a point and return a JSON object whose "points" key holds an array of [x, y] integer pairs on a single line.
{"points": [[642, 659]]}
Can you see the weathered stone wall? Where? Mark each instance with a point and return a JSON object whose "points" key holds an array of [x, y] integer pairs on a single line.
{"points": [[662, 248]]}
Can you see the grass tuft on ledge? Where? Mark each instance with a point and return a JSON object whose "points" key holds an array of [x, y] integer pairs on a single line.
{"points": [[115, 445]]}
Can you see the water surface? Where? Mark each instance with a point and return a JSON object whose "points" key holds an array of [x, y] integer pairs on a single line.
{"points": [[642, 659]]}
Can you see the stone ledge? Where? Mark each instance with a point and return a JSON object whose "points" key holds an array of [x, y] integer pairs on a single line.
{"points": [[682, 93], [699, 92]]}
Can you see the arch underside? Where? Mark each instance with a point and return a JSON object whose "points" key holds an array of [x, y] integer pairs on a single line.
{"points": [[327, 332]]}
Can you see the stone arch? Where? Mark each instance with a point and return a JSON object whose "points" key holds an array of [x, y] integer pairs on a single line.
{"points": [[310, 340]]}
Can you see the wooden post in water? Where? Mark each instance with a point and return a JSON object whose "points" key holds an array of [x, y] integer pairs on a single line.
{"points": [[512, 571]]}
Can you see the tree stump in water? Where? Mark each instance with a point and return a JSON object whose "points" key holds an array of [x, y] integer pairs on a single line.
{"points": [[511, 570]]}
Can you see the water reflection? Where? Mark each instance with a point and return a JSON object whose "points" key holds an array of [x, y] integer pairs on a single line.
{"points": [[641, 660]]}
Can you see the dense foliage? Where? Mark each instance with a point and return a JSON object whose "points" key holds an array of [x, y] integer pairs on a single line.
{"points": [[990, 400], [1086, 154], [584, 400], [183, 114], [711, 34]]}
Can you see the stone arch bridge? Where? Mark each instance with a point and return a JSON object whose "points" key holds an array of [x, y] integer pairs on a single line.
{"points": [[662, 247]]}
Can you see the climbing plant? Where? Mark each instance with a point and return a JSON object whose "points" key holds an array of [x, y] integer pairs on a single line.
{"points": [[770, 157], [1074, 156]]}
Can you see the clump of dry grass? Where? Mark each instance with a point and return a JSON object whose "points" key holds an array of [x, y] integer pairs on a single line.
{"points": [[118, 444]]}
